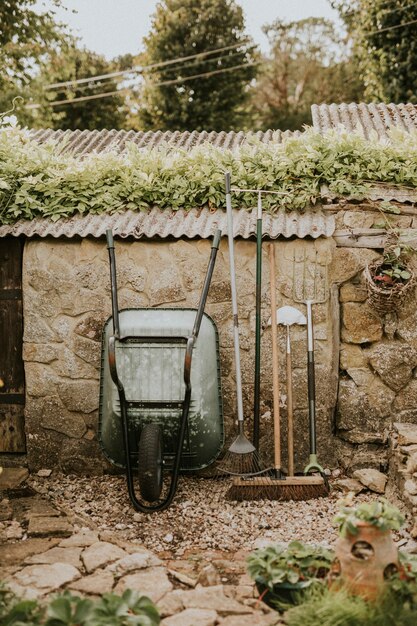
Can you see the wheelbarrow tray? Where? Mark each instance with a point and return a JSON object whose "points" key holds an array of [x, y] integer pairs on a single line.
{"points": [[150, 363]]}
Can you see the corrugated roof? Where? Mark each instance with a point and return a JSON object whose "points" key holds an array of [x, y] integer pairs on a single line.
{"points": [[377, 191], [369, 117], [195, 223], [87, 141]]}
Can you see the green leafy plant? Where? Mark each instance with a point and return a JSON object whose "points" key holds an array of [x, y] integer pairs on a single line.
{"points": [[298, 562], [380, 513], [130, 609], [42, 181]]}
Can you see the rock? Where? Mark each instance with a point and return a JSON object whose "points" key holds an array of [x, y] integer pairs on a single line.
{"points": [[352, 293], [18, 552], [44, 473], [411, 487], [212, 598], [351, 355], [182, 578], [42, 579], [347, 262], [394, 363], [54, 416], [258, 619], [49, 527], [152, 582], [131, 563], [57, 555], [364, 403], [96, 584], [85, 537], [412, 463], [348, 485], [407, 433], [192, 617], [81, 457], [170, 604], [12, 477], [371, 478], [208, 576], [413, 531], [13, 531], [99, 554], [360, 324], [6, 511], [79, 395]]}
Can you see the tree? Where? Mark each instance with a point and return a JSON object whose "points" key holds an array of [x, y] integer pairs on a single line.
{"points": [[171, 99], [308, 63], [25, 36], [385, 44], [70, 64]]}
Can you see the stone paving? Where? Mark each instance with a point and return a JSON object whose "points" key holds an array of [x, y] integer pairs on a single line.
{"points": [[42, 551]]}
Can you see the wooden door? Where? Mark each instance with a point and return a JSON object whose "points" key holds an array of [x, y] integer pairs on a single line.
{"points": [[12, 379]]}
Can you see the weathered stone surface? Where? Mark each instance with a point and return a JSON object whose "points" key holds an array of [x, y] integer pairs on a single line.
{"points": [[40, 352], [406, 400], [350, 292], [411, 487], [351, 355], [412, 463], [364, 404], [371, 478], [152, 582], [347, 262], [36, 330], [209, 576], [81, 457], [90, 327], [71, 366], [358, 219], [87, 350], [6, 511], [57, 555], [407, 433], [170, 604], [33, 506], [99, 554], [40, 380], [394, 362], [37, 580], [96, 584], [132, 563], [54, 416], [212, 598], [360, 324], [349, 485], [12, 477], [192, 617], [18, 552], [80, 395], [83, 538], [183, 578], [258, 619], [49, 527]]}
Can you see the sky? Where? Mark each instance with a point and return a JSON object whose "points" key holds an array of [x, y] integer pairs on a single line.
{"points": [[115, 27]]}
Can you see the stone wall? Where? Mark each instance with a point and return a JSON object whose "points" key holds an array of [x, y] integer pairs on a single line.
{"points": [[67, 300], [366, 366]]}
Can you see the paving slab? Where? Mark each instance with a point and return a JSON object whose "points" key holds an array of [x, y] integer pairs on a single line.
{"points": [[12, 477], [17, 552], [49, 527]]}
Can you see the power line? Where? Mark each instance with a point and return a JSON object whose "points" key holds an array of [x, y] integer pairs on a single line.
{"points": [[140, 70], [107, 94], [167, 69], [408, 6]]}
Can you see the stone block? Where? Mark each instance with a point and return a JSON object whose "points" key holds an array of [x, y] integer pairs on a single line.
{"points": [[101, 553], [363, 405], [36, 580], [81, 457], [351, 356], [54, 416], [191, 617], [49, 527], [12, 477], [372, 479], [350, 292], [88, 350], [80, 395], [407, 433], [394, 362], [347, 262], [152, 582], [406, 400], [360, 324], [91, 327], [40, 352], [96, 584]]}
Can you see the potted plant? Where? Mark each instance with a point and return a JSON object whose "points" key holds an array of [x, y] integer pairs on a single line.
{"points": [[390, 280], [366, 555], [283, 574]]}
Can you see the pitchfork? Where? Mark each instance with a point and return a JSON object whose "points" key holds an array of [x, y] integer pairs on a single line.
{"points": [[314, 295]]}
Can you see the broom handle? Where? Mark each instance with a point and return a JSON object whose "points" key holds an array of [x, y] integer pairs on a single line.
{"points": [[275, 364], [290, 413], [234, 303]]}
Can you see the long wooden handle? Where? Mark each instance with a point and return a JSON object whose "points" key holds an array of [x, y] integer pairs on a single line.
{"points": [[290, 411], [275, 362]]}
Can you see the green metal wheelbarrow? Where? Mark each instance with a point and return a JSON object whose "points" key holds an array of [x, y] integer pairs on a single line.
{"points": [[160, 395]]}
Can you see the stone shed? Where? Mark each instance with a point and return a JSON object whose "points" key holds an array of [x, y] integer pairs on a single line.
{"points": [[55, 298]]}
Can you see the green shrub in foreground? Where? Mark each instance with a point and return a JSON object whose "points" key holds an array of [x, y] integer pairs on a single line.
{"points": [[130, 609]]}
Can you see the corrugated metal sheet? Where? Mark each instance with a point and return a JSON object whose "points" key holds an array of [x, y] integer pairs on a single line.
{"points": [[199, 223], [378, 191], [368, 117], [84, 142]]}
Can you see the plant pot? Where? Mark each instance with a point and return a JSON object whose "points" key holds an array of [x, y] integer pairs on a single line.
{"points": [[366, 559], [282, 594], [384, 299]]}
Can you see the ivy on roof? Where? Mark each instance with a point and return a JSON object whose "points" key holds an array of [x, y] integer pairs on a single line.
{"points": [[37, 181]]}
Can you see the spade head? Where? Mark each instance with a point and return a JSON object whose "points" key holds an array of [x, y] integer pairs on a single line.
{"points": [[289, 315]]}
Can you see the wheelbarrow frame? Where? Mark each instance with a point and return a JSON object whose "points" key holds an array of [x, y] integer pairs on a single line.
{"points": [[189, 342]]}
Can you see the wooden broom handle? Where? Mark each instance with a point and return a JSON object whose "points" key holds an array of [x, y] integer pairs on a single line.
{"points": [[275, 363], [290, 411]]}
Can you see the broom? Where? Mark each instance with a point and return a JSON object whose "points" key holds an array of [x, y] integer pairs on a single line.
{"points": [[241, 459], [276, 486]]}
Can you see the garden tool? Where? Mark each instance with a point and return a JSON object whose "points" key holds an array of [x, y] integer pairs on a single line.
{"points": [[258, 300]]}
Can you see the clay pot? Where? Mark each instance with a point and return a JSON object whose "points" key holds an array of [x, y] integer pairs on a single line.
{"points": [[366, 560]]}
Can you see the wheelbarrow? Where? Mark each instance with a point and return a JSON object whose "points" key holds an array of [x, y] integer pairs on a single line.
{"points": [[160, 395]]}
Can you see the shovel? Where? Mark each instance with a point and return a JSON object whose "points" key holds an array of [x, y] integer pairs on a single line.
{"points": [[288, 316]]}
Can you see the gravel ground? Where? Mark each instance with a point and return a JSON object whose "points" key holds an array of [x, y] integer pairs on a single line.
{"points": [[199, 519]]}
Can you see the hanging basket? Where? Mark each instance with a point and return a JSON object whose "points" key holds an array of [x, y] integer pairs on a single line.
{"points": [[389, 298]]}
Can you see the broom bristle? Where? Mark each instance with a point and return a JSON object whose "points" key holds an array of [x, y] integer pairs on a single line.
{"points": [[266, 488]]}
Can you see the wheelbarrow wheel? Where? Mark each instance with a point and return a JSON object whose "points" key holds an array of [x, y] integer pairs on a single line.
{"points": [[150, 462]]}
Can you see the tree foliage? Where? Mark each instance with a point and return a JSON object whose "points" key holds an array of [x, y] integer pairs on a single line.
{"points": [[69, 64], [385, 43], [26, 35], [308, 63], [182, 28]]}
